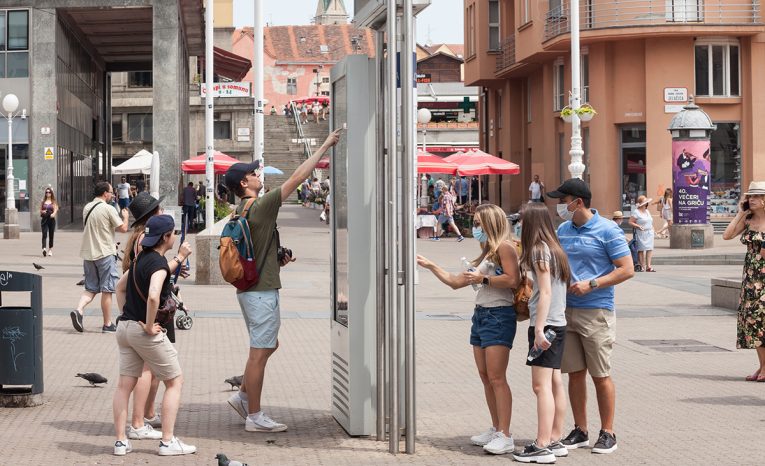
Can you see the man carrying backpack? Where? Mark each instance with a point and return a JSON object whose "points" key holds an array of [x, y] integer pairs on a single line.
{"points": [[260, 303]]}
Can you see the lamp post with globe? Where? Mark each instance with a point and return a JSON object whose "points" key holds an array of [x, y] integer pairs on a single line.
{"points": [[423, 118], [11, 227]]}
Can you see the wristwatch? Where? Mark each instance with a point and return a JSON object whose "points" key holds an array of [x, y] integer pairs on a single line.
{"points": [[593, 283], [485, 281]]}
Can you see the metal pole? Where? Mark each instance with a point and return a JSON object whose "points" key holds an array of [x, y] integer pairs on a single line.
{"points": [[257, 84], [10, 202], [576, 167], [409, 169], [382, 237], [392, 140], [209, 140]]}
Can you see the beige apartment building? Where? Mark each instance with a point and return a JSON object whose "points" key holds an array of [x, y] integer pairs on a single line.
{"points": [[640, 62]]}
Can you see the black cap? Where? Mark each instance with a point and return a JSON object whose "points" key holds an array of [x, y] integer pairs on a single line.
{"points": [[236, 173], [572, 187], [142, 205], [157, 226]]}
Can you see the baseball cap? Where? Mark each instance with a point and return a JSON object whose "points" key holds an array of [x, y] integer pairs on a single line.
{"points": [[572, 187], [157, 226], [236, 173]]}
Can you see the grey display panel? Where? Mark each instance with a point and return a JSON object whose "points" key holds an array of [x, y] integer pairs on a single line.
{"points": [[339, 185]]}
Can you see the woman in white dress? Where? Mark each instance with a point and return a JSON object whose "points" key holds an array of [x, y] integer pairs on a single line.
{"points": [[665, 208], [642, 221]]}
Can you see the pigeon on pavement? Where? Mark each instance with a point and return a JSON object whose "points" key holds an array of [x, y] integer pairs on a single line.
{"points": [[224, 461], [235, 381], [37, 266], [92, 377]]}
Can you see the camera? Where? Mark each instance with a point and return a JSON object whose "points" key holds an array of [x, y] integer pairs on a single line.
{"points": [[282, 252]]}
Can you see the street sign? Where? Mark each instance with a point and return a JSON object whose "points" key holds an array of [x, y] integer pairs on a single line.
{"points": [[48, 153], [675, 94], [227, 89], [424, 78]]}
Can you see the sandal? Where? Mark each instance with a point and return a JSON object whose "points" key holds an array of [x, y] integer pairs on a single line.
{"points": [[650, 269], [753, 378]]}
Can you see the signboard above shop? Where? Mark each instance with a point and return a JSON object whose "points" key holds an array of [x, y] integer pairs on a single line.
{"points": [[227, 89]]}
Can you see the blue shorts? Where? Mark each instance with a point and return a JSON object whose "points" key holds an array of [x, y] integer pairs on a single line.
{"points": [[101, 275], [493, 326], [261, 315], [123, 203]]}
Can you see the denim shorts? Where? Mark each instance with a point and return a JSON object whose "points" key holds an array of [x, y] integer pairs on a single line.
{"points": [[101, 275], [493, 326], [261, 315]]}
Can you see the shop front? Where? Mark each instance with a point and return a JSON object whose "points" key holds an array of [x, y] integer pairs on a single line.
{"points": [[725, 153]]}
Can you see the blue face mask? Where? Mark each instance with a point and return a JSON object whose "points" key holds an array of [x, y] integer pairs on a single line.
{"points": [[479, 234]]}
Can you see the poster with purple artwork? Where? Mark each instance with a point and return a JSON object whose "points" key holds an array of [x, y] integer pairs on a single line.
{"points": [[690, 181]]}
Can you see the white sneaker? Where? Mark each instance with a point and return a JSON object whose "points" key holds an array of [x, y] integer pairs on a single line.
{"points": [[260, 422], [484, 438], [155, 422], [175, 447], [500, 444], [122, 447], [239, 405], [143, 433]]}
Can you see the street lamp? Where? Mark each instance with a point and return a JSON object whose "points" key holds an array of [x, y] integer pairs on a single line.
{"points": [[576, 167], [11, 229], [423, 118]]}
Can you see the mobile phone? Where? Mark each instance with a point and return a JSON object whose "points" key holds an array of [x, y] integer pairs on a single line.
{"points": [[745, 205]]}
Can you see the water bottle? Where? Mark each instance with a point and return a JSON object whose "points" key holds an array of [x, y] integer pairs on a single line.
{"points": [[469, 268], [536, 351]]}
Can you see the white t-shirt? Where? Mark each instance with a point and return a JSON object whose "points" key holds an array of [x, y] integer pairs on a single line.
{"points": [[536, 190], [123, 190], [556, 315]]}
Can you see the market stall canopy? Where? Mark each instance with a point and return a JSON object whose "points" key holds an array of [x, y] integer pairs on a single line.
{"points": [[140, 163], [429, 163], [196, 165], [323, 100], [229, 64], [477, 162], [323, 163]]}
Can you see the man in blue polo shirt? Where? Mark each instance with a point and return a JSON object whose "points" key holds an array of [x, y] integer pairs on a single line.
{"points": [[599, 259]]}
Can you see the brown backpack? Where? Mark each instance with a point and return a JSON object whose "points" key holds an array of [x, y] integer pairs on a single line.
{"points": [[237, 252]]}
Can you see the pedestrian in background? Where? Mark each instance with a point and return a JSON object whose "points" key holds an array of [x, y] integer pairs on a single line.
{"points": [[496, 273], [665, 209], [189, 206], [48, 212], [123, 193], [642, 221], [546, 264], [749, 222], [599, 259], [98, 254], [536, 190]]}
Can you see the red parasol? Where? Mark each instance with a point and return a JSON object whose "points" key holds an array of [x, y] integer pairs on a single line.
{"points": [[323, 163], [477, 162], [196, 165], [429, 163]]}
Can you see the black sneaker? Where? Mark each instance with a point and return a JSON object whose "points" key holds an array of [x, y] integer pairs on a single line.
{"points": [[108, 328], [576, 439], [558, 449], [534, 454], [606, 443], [76, 320]]}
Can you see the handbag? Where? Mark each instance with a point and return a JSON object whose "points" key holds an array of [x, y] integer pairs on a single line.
{"points": [[166, 310], [522, 295]]}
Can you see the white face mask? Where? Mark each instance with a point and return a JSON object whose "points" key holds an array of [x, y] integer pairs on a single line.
{"points": [[563, 211]]}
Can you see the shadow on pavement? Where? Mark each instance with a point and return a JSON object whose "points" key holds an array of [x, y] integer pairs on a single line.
{"points": [[713, 377], [737, 400], [462, 445], [92, 428]]}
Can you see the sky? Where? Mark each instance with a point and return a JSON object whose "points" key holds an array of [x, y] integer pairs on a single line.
{"points": [[441, 22]]}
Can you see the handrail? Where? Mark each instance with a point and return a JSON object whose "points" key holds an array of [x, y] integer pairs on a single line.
{"points": [[301, 135]]}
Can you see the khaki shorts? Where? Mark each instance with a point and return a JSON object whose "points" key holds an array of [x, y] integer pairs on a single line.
{"points": [[137, 348], [590, 336]]}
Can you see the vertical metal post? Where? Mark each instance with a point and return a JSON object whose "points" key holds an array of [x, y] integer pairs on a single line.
{"points": [[409, 172], [209, 141], [10, 202], [257, 84], [576, 167], [382, 237], [392, 143]]}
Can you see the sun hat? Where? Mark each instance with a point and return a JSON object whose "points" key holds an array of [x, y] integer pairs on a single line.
{"points": [[756, 188], [617, 214], [646, 202], [157, 226], [142, 205]]}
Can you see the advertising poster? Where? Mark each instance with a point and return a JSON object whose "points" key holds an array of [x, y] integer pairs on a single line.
{"points": [[690, 181]]}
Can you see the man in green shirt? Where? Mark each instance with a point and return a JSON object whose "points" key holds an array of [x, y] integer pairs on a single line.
{"points": [[260, 304]]}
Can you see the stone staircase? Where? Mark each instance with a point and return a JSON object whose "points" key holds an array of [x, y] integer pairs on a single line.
{"points": [[284, 150]]}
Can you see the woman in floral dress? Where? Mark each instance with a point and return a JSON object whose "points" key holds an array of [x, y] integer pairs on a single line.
{"points": [[750, 224]]}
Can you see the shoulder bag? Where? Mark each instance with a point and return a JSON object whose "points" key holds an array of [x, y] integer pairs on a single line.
{"points": [[166, 310], [522, 295]]}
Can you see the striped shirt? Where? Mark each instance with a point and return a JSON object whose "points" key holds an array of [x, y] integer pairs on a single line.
{"points": [[591, 250]]}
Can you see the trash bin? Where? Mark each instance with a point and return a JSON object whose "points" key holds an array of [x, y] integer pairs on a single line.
{"points": [[21, 345]]}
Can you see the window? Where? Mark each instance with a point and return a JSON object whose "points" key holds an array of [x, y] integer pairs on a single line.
{"points": [[139, 79], [684, 11], [498, 108], [470, 35], [584, 68], [222, 129], [117, 127], [525, 13], [559, 85], [326, 93], [555, 9], [493, 25], [14, 43], [140, 127], [325, 80], [528, 100], [292, 86], [717, 69]]}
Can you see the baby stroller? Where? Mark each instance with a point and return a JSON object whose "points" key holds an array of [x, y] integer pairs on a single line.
{"points": [[183, 320]]}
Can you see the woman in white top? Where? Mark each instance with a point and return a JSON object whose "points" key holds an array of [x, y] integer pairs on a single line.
{"points": [[496, 272], [665, 209], [642, 221], [546, 264]]}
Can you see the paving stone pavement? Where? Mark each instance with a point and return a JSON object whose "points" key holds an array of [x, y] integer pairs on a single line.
{"points": [[672, 407]]}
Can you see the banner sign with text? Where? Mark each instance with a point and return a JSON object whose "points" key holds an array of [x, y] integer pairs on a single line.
{"points": [[690, 181], [227, 89]]}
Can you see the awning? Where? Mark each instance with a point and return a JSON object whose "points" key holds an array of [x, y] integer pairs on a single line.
{"points": [[230, 65], [439, 149]]}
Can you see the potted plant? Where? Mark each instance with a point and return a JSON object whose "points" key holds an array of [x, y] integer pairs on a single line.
{"points": [[586, 112], [567, 113]]}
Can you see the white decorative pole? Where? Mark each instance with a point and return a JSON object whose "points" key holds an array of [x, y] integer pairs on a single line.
{"points": [[209, 140], [576, 167], [10, 105], [423, 118], [257, 83]]}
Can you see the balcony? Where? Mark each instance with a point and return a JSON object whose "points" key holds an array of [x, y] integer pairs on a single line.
{"points": [[605, 14], [506, 57]]}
